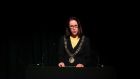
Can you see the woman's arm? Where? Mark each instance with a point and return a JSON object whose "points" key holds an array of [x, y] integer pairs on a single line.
{"points": [[61, 52], [85, 53]]}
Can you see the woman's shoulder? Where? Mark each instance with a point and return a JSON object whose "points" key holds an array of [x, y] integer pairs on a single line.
{"points": [[86, 38]]}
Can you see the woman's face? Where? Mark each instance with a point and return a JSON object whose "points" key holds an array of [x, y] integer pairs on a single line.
{"points": [[73, 25]]}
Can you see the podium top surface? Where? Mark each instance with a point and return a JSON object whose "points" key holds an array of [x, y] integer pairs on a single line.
{"points": [[44, 72]]}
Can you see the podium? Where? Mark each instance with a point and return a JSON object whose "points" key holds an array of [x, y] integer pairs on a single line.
{"points": [[45, 72]]}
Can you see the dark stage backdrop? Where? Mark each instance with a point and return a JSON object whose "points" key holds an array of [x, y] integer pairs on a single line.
{"points": [[33, 40]]}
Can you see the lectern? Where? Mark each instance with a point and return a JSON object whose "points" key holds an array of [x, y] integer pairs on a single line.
{"points": [[70, 72]]}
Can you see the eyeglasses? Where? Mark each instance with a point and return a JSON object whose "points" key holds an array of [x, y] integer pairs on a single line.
{"points": [[73, 26]]}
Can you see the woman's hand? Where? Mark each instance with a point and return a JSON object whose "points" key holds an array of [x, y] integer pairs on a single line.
{"points": [[79, 65], [61, 64]]}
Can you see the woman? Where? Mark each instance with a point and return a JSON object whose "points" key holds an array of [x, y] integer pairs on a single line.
{"points": [[74, 47]]}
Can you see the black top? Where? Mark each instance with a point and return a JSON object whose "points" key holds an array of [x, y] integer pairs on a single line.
{"points": [[82, 57]]}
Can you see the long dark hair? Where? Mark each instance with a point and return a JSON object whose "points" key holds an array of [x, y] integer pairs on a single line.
{"points": [[68, 32]]}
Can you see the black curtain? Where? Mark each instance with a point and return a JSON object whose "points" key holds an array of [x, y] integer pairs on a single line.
{"points": [[34, 41]]}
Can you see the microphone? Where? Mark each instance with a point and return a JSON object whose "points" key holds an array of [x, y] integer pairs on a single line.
{"points": [[99, 65]]}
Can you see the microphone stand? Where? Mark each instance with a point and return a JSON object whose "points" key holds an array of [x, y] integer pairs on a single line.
{"points": [[99, 65]]}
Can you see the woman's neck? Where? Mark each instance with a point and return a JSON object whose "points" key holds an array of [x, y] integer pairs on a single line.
{"points": [[74, 36]]}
